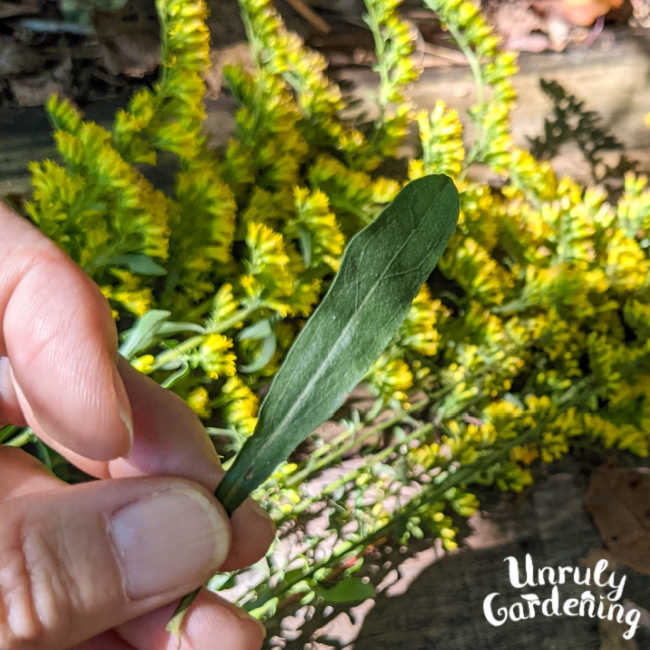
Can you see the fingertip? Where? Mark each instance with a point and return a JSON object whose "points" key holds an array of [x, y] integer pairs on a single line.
{"points": [[242, 631], [169, 437], [253, 531], [124, 410], [209, 616]]}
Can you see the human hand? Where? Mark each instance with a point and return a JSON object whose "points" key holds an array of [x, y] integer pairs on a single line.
{"points": [[100, 565]]}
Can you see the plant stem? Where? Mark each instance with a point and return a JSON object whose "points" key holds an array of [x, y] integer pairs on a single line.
{"points": [[6, 431], [194, 341], [428, 494], [311, 468], [477, 73], [472, 59], [298, 477], [21, 439], [371, 19], [372, 460]]}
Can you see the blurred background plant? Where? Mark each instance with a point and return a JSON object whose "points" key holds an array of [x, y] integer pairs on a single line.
{"points": [[529, 342]]}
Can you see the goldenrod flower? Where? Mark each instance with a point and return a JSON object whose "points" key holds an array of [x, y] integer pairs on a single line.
{"points": [[214, 356]]}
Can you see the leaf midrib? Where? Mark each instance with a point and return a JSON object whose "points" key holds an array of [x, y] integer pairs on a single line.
{"points": [[332, 352]]}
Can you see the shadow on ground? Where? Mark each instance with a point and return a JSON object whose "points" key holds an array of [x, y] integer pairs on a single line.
{"points": [[437, 602]]}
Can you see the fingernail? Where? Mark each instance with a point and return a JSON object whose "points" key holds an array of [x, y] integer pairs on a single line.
{"points": [[123, 404], [168, 540]]}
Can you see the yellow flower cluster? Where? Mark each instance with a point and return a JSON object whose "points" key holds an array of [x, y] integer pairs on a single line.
{"points": [[99, 209], [215, 357], [316, 228], [531, 334], [282, 53], [419, 331], [239, 404], [441, 136], [390, 378], [393, 48]]}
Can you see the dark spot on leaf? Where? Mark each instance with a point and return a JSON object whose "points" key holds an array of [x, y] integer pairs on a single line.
{"points": [[249, 474]]}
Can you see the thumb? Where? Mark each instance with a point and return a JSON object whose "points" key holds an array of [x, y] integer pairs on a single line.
{"points": [[76, 561]]}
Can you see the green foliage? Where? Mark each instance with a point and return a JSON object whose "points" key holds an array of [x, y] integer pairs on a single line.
{"points": [[376, 282], [348, 590], [528, 341]]}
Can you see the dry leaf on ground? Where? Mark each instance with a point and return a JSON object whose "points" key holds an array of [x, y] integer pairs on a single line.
{"points": [[619, 501], [129, 39]]}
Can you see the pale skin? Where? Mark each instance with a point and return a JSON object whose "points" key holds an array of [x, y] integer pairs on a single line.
{"points": [[85, 567]]}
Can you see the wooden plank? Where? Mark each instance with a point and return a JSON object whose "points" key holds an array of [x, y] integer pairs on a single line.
{"points": [[614, 80], [26, 135]]}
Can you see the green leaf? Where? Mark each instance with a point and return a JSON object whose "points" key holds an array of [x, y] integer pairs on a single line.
{"points": [[263, 356], [143, 333], [221, 581], [138, 263], [43, 453], [382, 269], [176, 376], [259, 330], [347, 590], [305, 244], [174, 328], [174, 624], [291, 576]]}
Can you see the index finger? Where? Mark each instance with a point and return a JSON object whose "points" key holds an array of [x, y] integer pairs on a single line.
{"points": [[58, 347]]}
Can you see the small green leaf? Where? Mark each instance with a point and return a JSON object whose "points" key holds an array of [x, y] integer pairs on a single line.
{"points": [[174, 328], [263, 356], [305, 244], [176, 621], [221, 581], [382, 269], [43, 453], [348, 590], [267, 610], [259, 330], [138, 263], [176, 376], [293, 575], [143, 333]]}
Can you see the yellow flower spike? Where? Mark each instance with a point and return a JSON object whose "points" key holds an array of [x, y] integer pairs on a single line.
{"points": [[553, 447], [130, 293], [224, 306], [266, 248], [239, 405], [633, 210], [289, 468], [627, 266], [441, 138], [524, 454], [385, 189], [144, 364], [314, 219], [419, 329], [214, 356], [197, 400], [390, 378]]}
